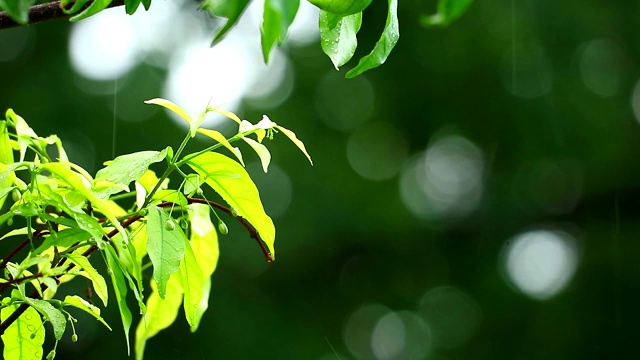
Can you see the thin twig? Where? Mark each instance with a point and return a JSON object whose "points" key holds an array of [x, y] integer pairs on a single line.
{"points": [[44, 12]]}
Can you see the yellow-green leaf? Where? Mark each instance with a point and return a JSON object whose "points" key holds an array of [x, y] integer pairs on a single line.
{"points": [[262, 151], [165, 246], [18, 344], [232, 182], [217, 136], [171, 106], [99, 285], [192, 282], [80, 303], [292, 136]]}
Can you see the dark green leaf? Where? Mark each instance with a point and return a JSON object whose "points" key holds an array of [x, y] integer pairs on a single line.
{"points": [[131, 6], [231, 181], [17, 9], [231, 10], [338, 36], [276, 19], [342, 7], [384, 46], [165, 246], [448, 11], [146, 4]]}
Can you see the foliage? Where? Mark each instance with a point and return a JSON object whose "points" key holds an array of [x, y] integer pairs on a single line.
{"points": [[70, 215]]}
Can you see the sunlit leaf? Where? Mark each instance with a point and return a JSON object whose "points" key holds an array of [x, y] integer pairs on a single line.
{"points": [[17, 338], [383, 47], [276, 19], [165, 246], [227, 114], [192, 282], [231, 181], [6, 157], [171, 106], [231, 10], [292, 136], [171, 195], [127, 168], [262, 151], [80, 303], [217, 136], [75, 182], [338, 36], [161, 313], [204, 242], [120, 289], [99, 285], [17, 9], [24, 133], [448, 11], [64, 239]]}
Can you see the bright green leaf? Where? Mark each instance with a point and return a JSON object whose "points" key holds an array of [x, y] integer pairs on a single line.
{"points": [[18, 344], [99, 285], [231, 10], [95, 7], [231, 181], [6, 157], [383, 47], [192, 282], [75, 182], [226, 113], [164, 246], [341, 7], [80, 303], [276, 19], [292, 136], [63, 238], [171, 195], [204, 242], [217, 136], [262, 151], [120, 289], [338, 36], [127, 168], [171, 106]]}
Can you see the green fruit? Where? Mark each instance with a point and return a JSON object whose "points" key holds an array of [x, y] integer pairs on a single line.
{"points": [[169, 225], [341, 7], [222, 227], [16, 195]]}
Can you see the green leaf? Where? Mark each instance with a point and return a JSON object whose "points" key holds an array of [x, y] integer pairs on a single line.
{"points": [[75, 182], [131, 6], [383, 47], [17, 9], [18, 344], [127, 168], [338, 36], [231, 181], [170, 195], [448, 11], [171, 106], [217, 136], [99, 285], [164, 246], [161, 313], [292, 136], [261, 150], [51, 314], [192, 282], [226, 113], [120, 289], [231, 10], [80, 303], [95, 7], [342, 7], [23, 131], [204, 242], [276, 19], [63, 238], [6, 157]]}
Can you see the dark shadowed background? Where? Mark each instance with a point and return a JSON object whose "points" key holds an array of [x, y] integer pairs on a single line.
{"points": [[476, 197]]}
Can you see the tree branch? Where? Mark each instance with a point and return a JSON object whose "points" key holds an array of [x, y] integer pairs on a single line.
{"points": [[45, 12]]}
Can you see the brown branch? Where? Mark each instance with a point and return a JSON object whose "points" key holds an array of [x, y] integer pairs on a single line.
{"points": [[45, 12]]}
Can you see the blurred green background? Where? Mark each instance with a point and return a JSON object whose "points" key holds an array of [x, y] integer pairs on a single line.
{"points": [[476, 197]]}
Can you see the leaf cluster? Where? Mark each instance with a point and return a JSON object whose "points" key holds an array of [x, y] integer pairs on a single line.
{"points": [[70, 215]]}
